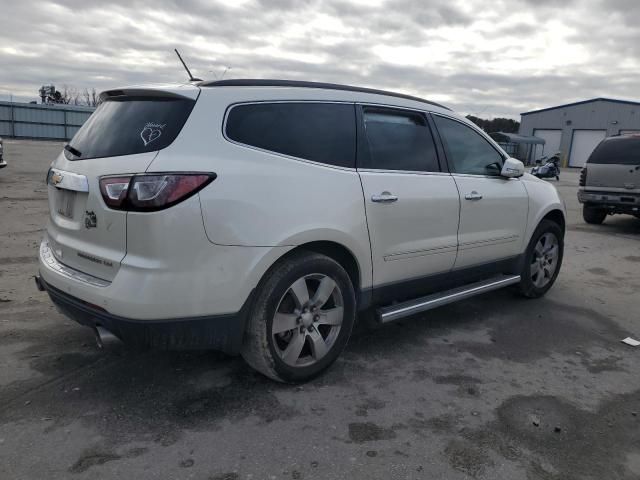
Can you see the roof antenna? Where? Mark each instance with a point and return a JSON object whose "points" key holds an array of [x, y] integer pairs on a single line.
{"points": [[191, 77]]}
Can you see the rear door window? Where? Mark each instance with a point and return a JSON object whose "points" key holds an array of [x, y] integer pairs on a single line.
{"points": [[399, 140], [130, 125], [321, 132], [617, 151]]}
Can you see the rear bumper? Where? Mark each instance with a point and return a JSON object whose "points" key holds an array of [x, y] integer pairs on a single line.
{"points": [[616, 202], [181, 281], [216, 332]]}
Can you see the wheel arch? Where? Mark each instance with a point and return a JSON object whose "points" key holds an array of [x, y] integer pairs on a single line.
{"points": [[557, 216], [555, 213], [336, 251]]}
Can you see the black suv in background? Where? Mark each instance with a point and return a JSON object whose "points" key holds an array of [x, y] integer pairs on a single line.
{"points": [[610, 180]]}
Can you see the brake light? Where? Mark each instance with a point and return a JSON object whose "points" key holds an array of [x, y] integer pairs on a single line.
{"points": [[149, 193], [583, 177], [114, 190]]}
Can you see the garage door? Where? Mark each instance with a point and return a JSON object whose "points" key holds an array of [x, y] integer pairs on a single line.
{"points": [[552, 145], [582, 144]]}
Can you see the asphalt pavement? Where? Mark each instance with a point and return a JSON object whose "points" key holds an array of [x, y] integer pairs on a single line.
{"points": [[496, 387]]}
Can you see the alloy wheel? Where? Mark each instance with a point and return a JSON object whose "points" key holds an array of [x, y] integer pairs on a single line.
{"points": [[307, 320], [545, 259]]}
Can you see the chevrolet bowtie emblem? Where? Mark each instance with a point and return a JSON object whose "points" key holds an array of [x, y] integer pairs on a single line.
{"points": [[56, 178]]}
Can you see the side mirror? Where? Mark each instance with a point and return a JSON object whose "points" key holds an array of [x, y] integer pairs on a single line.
{"points": [[512, 168]]}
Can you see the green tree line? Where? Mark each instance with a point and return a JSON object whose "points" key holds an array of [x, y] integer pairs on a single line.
{"points": [[506, 125]]}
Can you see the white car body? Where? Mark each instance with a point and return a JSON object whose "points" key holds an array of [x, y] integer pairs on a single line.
{"points": [[202, 258]]}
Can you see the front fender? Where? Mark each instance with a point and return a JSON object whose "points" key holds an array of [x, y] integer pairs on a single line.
{"points": [[543, 199]]}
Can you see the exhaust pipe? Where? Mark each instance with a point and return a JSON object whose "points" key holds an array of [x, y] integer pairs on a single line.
{"points": [[104, 337]]}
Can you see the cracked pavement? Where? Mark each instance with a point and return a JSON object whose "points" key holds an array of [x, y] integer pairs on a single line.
{"points": [[452, 394]]}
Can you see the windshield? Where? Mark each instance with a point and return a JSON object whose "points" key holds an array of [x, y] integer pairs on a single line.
{"points": [[130, 125]]}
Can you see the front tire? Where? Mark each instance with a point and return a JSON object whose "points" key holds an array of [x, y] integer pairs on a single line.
{"points": [[593, 215], [543, 259], [302, 318]]}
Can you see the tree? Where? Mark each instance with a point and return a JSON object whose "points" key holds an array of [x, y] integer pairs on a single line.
{"points": [[70, 95], [90, 98], [506, 125]]}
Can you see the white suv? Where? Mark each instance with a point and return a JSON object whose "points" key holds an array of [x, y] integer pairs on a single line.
{"points": [[259, 216]]}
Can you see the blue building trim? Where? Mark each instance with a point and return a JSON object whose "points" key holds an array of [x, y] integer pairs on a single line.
{"points": [[599, 99]]}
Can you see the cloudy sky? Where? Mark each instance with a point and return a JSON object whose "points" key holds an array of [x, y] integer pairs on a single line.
{"points": [[485, 57]]}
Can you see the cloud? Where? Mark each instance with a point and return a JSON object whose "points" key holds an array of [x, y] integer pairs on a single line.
{"points": [[500, 58]]}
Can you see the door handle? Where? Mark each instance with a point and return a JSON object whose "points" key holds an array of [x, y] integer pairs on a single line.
{"points": [[384, 197], [473, 196]]}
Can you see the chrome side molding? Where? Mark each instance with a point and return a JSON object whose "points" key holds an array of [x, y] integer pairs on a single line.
{"points": [[422, 304]]}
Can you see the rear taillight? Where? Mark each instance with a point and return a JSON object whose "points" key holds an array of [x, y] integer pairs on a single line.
{"points": [[149, 193], [583, 177], [114, 190]]}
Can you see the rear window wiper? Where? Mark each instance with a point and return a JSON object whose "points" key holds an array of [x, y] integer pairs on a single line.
{"points": [[72, 151]]}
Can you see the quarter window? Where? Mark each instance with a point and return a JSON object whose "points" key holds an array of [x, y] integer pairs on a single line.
{"points": [[399, 140], [467, 151], [322, 132]]}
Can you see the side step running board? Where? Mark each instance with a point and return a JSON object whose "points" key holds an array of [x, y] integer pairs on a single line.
{"points": [[411, 307]]}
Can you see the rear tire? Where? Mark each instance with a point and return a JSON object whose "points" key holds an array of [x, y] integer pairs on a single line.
{"points": [[302, 318], [593, 215], [542, 260]]}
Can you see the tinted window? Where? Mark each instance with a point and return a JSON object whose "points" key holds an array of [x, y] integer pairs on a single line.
{"points": [[129, 125], [314, 131], [621, 151], [399, 141], [467, 150]]}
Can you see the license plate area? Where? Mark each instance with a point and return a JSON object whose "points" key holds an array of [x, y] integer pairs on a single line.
{"points": [[65, 203]]}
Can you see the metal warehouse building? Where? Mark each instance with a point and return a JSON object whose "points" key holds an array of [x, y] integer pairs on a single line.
{"points": [[575, 129], [52, 122]]}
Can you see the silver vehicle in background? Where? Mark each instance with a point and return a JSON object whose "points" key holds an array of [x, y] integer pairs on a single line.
{"points": [[610, 180], [2, 162]]}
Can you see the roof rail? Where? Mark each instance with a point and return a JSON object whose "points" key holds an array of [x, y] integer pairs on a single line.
{"points": [[303, 84]]}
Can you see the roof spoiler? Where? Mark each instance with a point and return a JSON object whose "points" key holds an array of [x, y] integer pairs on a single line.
{"points": [[174, 93]]}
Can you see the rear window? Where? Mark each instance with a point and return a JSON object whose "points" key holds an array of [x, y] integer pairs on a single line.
{"points": [[322, 132], [130, 125], [620, 151]]}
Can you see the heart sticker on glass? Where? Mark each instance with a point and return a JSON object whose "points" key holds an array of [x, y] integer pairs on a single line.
{"points": [[151, 132]]}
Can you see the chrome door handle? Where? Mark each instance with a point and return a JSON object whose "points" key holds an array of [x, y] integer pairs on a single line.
{"points": [[473, 196], [384, 197]]}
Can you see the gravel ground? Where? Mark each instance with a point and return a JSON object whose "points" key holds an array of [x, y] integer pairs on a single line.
{"points": [[496, 387]]}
